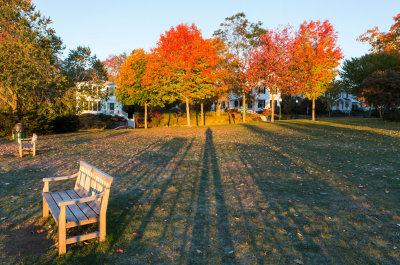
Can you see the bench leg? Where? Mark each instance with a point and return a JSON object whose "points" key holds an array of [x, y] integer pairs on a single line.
{"points": [[102, 228], [20, 150], [62, 246], [45, 208]]}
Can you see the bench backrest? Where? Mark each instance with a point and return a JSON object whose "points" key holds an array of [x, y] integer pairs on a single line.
{"points": [[34, 138], [92, 181]]}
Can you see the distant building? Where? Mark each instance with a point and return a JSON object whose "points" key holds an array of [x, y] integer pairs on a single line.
{"points": [[260, 102], [347, 103], [91, 102]]}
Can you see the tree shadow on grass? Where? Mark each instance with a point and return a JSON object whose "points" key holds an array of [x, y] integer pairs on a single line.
{"points": [[129, 192], [322, 195]]}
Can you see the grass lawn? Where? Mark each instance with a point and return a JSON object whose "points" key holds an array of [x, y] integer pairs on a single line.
{"points": [[293, 192]]}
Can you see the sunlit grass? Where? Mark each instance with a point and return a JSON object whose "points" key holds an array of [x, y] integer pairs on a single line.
{"points": [[316, 192]]}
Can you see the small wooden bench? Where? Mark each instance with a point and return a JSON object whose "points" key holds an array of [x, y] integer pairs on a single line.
{"points": [[86, 203], [27, 144]]}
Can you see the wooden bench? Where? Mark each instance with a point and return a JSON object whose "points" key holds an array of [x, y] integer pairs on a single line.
{"points": [[86, 203], [27, 144]]}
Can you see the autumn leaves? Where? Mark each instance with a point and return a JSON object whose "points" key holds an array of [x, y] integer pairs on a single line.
{"points": [[183, 66], [301, 62], [188, 68]]}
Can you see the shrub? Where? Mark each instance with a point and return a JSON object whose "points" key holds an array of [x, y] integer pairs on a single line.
{"points": [[7, 122], [392, 115], [36, 122], [100, 121], [156, 118], [67, 123]]}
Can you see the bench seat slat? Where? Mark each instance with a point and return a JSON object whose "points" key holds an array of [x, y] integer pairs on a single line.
{"points": [[76, 211], [68, 214], [53, 207], [83, 206], [94, 205]]}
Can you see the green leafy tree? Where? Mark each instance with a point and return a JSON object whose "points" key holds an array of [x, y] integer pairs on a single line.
{"points": [[241, 36], [29, 50], [355, 70], [382, 89], [332, 94], [87, 75]]}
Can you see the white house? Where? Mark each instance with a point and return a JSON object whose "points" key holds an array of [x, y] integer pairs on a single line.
{"points": [[261, 102], [93, 103], [346, 103]]}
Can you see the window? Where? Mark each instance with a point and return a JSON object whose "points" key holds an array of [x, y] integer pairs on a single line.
{"points": [[111, 107], [236, 103], [111, 91], [261, 104], [223, 105]]}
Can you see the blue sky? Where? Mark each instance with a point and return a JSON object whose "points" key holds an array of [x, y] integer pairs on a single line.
{"points": [[112, 27]]}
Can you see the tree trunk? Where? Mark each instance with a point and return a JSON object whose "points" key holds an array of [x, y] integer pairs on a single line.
{"points": [[145, 115], [272, 108], [244, 107], [380, 112], [218, 110], [187, 112], [202, 114], [313, 109]]}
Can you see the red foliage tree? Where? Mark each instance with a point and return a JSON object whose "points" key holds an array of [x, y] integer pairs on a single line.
{"points": [[270, 64], [112, 64], [183, 64], [316, 57]]}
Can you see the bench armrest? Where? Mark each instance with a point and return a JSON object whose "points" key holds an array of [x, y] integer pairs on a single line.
{"points": [[60, 178], [81, 200], [25, 139]]}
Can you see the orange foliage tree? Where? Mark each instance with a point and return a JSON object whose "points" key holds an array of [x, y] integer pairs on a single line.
{"points": [[316, 58], [227, 65], [130, 90], [270, 64], [384, 42], [183, 65]]}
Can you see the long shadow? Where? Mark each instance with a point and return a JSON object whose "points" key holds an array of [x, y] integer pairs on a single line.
{"points": [[133, 196], [126, 198], [200, 241], [333, 192], [340, 129]]}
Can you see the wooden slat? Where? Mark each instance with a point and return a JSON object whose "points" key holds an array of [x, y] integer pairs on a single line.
{"points": [[55, 212], [79, 238], [82, 222], [76, 211], [83, 206], [69, 215], [97, 172], [54, 209], [94, 205]]}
